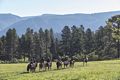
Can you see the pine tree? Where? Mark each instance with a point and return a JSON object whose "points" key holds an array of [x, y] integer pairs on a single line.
{"points": [[76, 46], [47, 43], [89, 41], [29, 43], [1, 48], [4, 55], [53, 45], [42, 42], [22, 47], [11, 43], [114, 23], [37, 46], [66, 40]]}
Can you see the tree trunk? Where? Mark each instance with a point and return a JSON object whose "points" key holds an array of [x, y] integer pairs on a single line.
{"points": [[118, 44], [24, 57], [118, 48]]}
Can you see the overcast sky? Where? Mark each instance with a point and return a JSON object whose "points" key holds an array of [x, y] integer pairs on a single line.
{"points": [[38, 7]]}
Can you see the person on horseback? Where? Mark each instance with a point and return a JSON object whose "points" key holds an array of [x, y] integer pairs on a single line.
{"points": [[31, 66], [49, 63], [42, 63], [34, 65], [66, 62], [72, 61], [85, 60], [42, 60], [59, 63], [48, 59]]}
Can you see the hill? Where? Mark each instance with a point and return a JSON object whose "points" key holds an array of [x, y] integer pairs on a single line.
{"points": [[8, 19], [57, 22]]}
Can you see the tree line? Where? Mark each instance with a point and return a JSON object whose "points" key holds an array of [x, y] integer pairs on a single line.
{"points": [[75, 41]]}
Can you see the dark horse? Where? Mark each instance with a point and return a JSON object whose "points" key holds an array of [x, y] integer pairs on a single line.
{"points": [[72, 63], [85, 60], [59, 64], [45, 64], [31, 66], [48, 65], [66, 61], [41, 66]]}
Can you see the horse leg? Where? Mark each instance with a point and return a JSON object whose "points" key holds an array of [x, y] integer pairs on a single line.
{"points": [[35, 69], [65, 66], [57, 67], [73, 64], [61, 65], [83, 63], [45, 67], [28, 69], [39, 68], [48, 67]]}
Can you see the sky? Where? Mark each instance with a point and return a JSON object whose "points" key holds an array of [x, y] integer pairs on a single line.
{"points": [[39, 7]]}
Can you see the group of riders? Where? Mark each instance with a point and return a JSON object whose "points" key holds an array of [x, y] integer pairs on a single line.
{"points": [[45, 64]]}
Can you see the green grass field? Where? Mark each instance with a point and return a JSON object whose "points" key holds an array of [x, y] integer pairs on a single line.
{"points": [[97, 70]]}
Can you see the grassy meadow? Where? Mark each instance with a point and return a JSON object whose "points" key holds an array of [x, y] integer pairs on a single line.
{"points": [[96, 70]]}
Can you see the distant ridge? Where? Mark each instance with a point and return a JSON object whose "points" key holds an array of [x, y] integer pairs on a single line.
{"points": [[57, 22]]}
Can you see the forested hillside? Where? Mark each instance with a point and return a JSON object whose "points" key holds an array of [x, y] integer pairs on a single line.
{"points": [[102, 44]]}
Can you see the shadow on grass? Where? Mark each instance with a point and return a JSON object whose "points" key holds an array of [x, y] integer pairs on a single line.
{"points": [[42, 71], [61, 69], [24, 72]]}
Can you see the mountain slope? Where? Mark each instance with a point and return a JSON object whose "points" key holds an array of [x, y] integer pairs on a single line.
{"points": [[57, 22], [8, 19]]}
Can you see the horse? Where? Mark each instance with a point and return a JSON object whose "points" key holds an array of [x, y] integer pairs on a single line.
{"points": [[85, 60], [41, 66], [48, 65], [66, 63], [59, 64], [31, 66], [72, 63]]}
